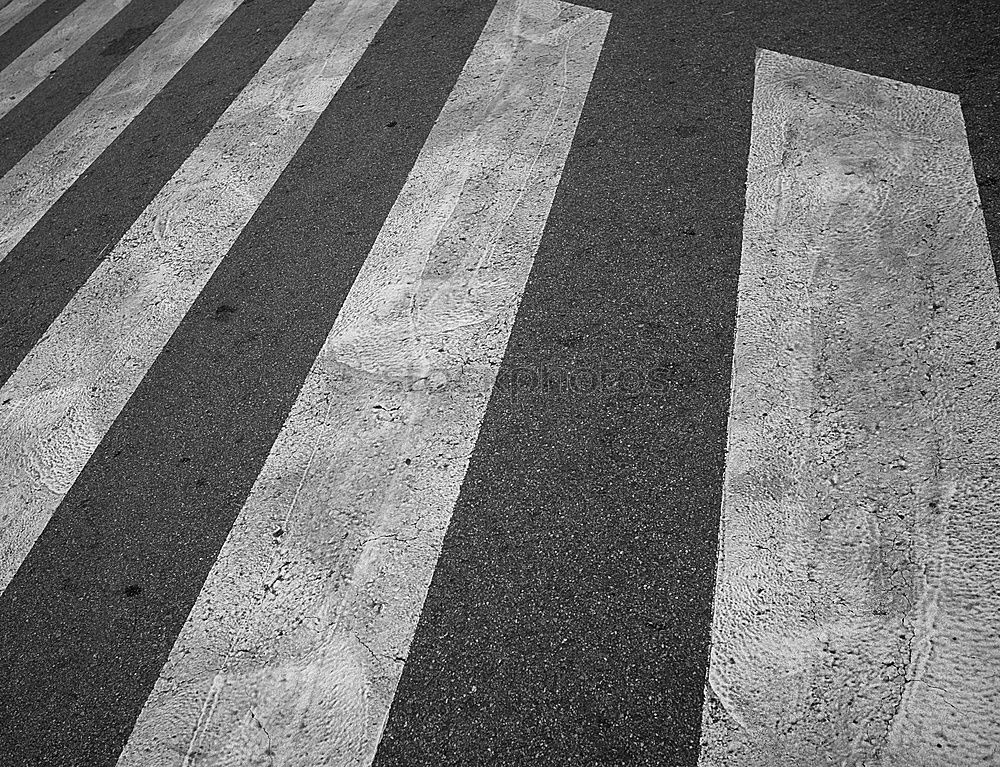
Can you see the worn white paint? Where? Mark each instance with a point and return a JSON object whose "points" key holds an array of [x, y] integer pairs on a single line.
{"points": [[30, 188], [67, 392], [295, 646], [14, 11], [28, 70], [857, 616]]}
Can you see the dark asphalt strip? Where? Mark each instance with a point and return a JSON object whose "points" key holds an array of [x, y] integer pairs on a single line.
{"points": [[23, 35], [60, 93], [50, 263], [91, 615], [568, 620]]}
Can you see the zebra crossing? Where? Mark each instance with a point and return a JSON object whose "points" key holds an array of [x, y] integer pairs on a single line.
{"points": [[42, 176], [15, 10], [365, 380], [308, 612], [68, 391], [26, 72]]}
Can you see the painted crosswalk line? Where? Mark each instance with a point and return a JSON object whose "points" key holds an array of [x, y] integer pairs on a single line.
{"points": [[37, 181], [296, 643], [857, 608], [66, 393], [34, 65]]}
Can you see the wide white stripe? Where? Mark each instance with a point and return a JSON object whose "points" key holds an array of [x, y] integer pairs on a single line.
{"points": [[297, 641], [65, 395], [50, 168], [857, 616], [30, 68], [14, 11]]}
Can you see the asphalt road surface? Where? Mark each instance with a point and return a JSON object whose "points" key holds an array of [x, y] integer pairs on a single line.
{"points": [[366, 373]]}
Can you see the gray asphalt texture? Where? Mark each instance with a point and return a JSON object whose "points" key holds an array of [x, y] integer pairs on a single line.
{"points": [[569, 617]]}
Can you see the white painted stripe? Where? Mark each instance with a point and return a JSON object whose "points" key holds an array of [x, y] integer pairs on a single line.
{"points": [[50, 168], [30, 68], [14, 11], [297, 640], [857, 616], [67, 392]]}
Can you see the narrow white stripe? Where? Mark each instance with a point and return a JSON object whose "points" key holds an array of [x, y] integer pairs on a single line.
{"points": [[857, 616], [14, 11], [30, 68], [66, 393], [297, 640], [40, 178]]}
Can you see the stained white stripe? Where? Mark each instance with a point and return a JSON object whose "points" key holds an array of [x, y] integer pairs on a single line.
{"points": [[50, 168], [30, 68], [14, 11], [857, 615], [66, 393], [297, 641]]}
